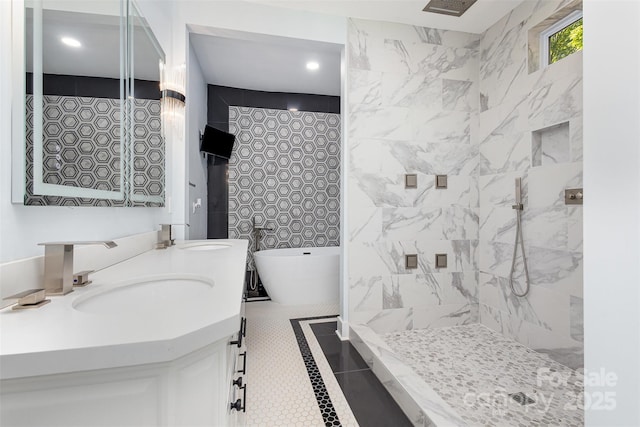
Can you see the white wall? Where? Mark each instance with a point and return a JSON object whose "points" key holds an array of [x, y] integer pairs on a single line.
{"points": [[22, 227], [197, 166], [611, 206]]}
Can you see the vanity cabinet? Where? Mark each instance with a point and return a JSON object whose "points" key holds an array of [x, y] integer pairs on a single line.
{"points": [[160, 364], [237, 369], [190, 391]]}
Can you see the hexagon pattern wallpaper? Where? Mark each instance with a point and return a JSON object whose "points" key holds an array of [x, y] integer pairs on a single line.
{"points": [[285, 173], [81, 148]]}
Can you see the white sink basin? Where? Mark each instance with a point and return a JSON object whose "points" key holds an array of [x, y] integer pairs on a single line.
{"points": [[141, 295], [205, 246]]}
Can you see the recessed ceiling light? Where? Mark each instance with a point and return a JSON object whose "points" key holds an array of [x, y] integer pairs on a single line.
{"points": [[71, 42], [312, 65]]}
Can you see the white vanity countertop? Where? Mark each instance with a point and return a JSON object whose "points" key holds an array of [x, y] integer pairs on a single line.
{"points": [[58, 338]]}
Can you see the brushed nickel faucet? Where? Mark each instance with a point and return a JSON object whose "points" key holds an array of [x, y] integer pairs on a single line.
{"points": [[165, 239], [58, 265], [257, 231]]}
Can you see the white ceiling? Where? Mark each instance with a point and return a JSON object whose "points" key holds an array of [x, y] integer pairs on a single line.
{"points": [[277, 64], [477, 19], [273, 64], [99, 55]]}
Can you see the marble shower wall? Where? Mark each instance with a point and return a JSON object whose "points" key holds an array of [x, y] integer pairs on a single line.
{"points": [[413, 103], [531, 127]]}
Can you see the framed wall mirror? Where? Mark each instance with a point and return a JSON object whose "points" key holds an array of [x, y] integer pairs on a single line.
{"points": [[87, 128]]}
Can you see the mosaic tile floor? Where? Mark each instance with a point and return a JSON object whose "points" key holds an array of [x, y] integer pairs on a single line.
{"points": [[279, 392], [475, 369]]}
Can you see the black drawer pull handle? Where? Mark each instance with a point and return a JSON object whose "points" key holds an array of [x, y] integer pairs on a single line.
{"points": [[244, 363], [241, 333], [244, 398], [237, 405], [238, 382], [237, 342]]}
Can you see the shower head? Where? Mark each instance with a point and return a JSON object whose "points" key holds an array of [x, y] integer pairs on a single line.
{"points": [[518, 204], [449, 7]]}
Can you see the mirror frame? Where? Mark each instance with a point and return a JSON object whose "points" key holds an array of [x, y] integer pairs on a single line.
{"points": [[130, 81], [18, 131], [18, 103]]}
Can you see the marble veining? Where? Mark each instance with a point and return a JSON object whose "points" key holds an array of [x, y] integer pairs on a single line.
{"points": [[413, 100], [450, 223], [460, 95], [412, 91], [531, 127], [365, 87], [433, 102], [426, 290], [474, 369], [437, 158], [417, 399], [503, 61]]}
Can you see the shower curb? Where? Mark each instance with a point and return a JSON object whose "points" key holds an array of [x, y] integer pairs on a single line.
{"points": [[422, 405]]}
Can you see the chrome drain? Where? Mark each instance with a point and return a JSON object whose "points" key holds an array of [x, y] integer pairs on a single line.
{"points": [[522, 398]]}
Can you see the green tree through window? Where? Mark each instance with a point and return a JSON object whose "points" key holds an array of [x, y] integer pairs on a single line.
{"points": [[565, 42]]}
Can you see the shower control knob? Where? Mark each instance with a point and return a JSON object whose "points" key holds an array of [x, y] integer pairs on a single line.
{"points": [[579, 195], [572, 196]]}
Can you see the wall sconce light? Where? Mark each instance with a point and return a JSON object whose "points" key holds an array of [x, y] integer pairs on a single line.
{"points": [[168, 93], [172, 100]]}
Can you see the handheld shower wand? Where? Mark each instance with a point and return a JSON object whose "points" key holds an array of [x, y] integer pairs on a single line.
{"points": [[519, 208]]}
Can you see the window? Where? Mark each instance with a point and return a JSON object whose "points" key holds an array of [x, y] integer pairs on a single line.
{"points": [[561, 39]]}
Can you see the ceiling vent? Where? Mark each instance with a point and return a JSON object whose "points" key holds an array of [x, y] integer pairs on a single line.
{"points": [[449, 7]]}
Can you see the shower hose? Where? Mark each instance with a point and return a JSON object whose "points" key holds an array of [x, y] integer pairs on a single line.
{"points": [[253, 280], [519, 237]]}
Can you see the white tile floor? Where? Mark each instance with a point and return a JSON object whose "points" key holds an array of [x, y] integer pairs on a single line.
{"points": [[279, 391], [462, 361]]}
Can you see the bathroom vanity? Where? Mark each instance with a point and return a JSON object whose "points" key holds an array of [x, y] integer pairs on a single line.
{"points": [[154, 340]]}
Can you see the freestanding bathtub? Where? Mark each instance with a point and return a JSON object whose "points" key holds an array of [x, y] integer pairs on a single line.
{"points": [[300, 275]]}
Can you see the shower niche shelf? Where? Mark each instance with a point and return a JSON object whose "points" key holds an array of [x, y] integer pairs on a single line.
{"points": [[551, 145]]}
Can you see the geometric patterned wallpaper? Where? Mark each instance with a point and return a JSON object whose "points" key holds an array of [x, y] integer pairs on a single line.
{"points": [[148, 149], [81, 148], [285, 172]]}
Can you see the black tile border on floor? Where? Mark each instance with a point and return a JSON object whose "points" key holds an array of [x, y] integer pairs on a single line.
{"points": [[329, 415]]}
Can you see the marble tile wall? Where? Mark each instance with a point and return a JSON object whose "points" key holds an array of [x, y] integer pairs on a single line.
{"points": [[530, 126], [413, 103]]}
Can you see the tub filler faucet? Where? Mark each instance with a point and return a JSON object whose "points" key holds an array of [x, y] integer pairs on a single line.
{"points": [[257, 232], [58, 265]]}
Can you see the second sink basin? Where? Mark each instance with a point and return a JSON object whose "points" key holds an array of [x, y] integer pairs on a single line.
{"points": [[205, 246], [145, 294]]}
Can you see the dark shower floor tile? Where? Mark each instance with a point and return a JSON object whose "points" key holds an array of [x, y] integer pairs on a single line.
{"points": [[370, 402], [327, 328], [342, 356]]}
